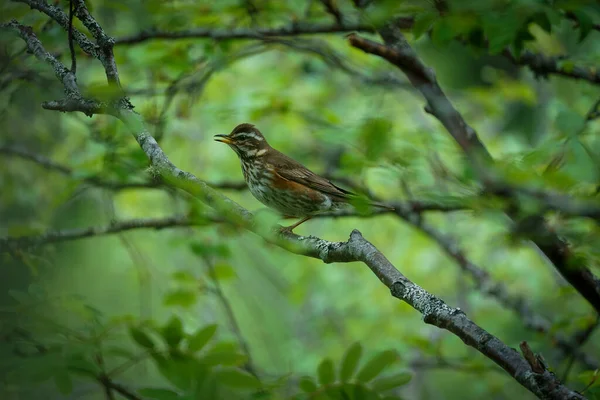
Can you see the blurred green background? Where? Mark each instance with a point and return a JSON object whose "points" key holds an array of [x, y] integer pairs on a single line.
{"points": [[338, 111]]}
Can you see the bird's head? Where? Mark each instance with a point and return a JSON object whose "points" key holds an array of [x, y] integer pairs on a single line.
{"points": [[246, 140]]}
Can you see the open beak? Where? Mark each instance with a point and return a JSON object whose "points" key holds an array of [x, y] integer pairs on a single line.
{"points": [[223, 139]]}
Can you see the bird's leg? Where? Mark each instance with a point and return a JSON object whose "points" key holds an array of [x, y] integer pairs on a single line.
{"points": [[290, 228]]}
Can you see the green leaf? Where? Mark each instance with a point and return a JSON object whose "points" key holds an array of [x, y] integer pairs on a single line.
{"points": [[501, 30], [585, 23], [442, 32], [141, 337], [375, 135], [224, 272], [350, 361], [63, 381], [201, 338], [236, 378], [307, 384], [159, 394], [224, 358], [181, 297], [172, 332], [391, 382], [325, 371], [376, 365], [423, 22]]}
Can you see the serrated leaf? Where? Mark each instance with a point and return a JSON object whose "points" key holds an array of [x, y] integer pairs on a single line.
{"points": [[391, 382], [159, 394], [350, 361], [325, 372], [237, 379], [197, 341], [376, 365], [307, 384], [141, 337], [172, 332]]}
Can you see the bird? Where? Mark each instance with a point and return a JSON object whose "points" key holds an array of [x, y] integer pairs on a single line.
{"points": [[282, 183]]}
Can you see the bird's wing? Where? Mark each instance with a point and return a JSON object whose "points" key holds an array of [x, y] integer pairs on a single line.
{"points": [[292, 170]]}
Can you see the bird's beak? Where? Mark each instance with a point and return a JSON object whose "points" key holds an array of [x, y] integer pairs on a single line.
{"points": [[223, 139]]}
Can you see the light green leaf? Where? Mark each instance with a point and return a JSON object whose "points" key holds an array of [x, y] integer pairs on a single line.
{"points": [[224, 272], [376, 365], [181, 297], [391, 382], [350, 361], [201, 338]]}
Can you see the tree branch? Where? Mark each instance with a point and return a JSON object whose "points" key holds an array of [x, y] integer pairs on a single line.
{"points": [[241, 33], [434, 310], [10, 243], [398, 52]]}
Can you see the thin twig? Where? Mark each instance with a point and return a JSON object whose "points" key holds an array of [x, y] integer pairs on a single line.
{"points": [[71, 48]]}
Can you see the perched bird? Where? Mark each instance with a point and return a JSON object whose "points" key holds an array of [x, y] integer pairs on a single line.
{"points": [[280, 182]]}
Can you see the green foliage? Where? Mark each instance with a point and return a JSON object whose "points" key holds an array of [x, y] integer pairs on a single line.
{"points": [[199, 339], [140, 306], [359, 387], [350, 361]]}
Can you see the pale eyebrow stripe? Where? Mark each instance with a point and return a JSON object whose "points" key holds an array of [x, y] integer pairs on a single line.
{"points": [[248, 134]]}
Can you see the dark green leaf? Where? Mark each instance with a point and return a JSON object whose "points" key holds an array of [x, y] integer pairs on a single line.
{"points": [[325, 371], [423, 22], [307, 384], [141, 337], [585, 23], [350, 361], [237, 379], [63, 381], [442, 32], [201, 338], [376, 365], [501, 30], [159, 394], [172, 332], [391, 382]]}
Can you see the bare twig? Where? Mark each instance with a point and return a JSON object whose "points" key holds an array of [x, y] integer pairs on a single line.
{"points": [[71, 48], [238, 33]]}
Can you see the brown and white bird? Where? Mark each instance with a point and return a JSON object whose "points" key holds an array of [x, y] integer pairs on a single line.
{"points": [[280, 182]]}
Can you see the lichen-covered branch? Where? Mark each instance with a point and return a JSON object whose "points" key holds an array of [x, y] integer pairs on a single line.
{"points": [[543, 384]]}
